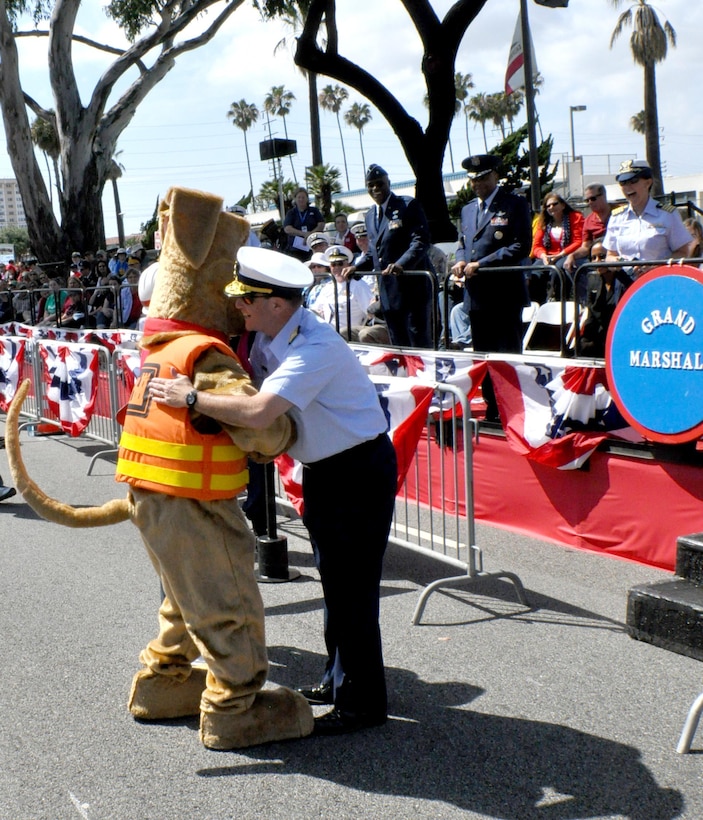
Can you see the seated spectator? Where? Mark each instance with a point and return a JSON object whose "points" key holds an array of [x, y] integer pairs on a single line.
{"points": [[106, 314], [695, 249], [594, 225], [332, 302], [53, 304], [605, 288], [22, 303], [130, 303], [118, 264], [320, 269], [559, 232], [75, 308], [459, 326], [344, 235], [99, 290], [318, 242]]}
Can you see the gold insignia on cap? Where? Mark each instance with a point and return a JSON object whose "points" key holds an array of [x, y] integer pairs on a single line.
{"points": [[627, 165]]}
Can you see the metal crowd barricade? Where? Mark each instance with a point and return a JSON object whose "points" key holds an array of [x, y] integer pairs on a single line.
{"points": [[623, 274], [102, 425], [442, 524]]}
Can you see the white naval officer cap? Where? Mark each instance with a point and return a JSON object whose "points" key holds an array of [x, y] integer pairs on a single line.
{"points": [[317, 259], [259, 270], [317, 238], [336, 253]]}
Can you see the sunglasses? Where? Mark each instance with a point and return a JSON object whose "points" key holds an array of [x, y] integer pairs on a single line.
{"points": [[593, 198], [250, 297], [336, 264], [553, 204]]}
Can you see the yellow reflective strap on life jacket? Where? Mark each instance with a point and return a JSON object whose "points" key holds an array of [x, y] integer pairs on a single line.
{"points": [[177, 452], [229, 482], [160, 475]]}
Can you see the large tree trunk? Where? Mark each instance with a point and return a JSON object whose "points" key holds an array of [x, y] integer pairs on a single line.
{"points": [[424, 150], [43, 229], [651, 128]]}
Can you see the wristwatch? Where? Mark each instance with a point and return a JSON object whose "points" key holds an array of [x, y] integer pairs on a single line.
{"points": [[191, 398]]}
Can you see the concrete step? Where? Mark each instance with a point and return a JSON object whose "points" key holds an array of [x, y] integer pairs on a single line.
{"points": [[689, 558], [668, 614]]}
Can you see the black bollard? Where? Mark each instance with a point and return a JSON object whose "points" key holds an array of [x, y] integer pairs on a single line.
{"points": [[272, 548]]}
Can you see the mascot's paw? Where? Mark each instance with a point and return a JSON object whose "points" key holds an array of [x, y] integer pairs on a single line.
{"points": [[276, 714], [160, 697]]}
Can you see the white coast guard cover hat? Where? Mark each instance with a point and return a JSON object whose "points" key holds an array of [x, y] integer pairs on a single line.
{"points": [[264, 271]]}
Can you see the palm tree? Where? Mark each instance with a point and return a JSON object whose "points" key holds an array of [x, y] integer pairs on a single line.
{"points": [[358, 116], [269, 195], [243, 116], [277, 103], [113, 174], [46, 139], [463, 83], [479, 111], [293, 14], [331, 99], [637, 122], [322, 182], [649, 44]]}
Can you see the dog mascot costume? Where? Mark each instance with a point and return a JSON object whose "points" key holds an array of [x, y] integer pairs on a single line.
{"points": [[184, 473]]}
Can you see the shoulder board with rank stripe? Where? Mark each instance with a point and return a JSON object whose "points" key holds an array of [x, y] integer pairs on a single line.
{"points": [[666, 207], [618, 210]]}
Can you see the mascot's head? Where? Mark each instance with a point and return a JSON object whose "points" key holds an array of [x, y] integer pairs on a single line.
{"points": [[199, 247]]}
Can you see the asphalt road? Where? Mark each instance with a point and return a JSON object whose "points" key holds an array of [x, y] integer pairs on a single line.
{"points": [[498, 710]]}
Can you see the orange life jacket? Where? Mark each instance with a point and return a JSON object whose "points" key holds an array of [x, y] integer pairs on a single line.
{"points": [[160, 449]]}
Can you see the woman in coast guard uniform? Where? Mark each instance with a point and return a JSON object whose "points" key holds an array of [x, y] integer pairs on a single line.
{"points": [[644, 229]]}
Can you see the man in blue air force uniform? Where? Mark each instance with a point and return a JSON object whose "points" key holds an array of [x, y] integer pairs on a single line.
{"points": [[399, 238], [496, 231]]}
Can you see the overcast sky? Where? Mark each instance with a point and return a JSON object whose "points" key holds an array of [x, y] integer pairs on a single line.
{"points": [[181, 134]]}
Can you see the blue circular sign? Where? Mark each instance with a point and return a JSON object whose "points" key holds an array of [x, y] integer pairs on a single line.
{"points": [[654, 354]]}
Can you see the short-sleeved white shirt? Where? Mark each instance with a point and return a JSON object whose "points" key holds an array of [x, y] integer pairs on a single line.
{"points": [[335, 405], [655, 234]]}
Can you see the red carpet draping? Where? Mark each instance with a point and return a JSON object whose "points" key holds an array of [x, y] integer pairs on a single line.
{"points": [[625, 507]]}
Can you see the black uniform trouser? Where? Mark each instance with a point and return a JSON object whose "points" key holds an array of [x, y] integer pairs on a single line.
{"points": [[495, 331], [349, 501]]}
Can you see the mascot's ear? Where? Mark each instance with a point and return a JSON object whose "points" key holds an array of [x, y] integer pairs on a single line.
{"points": [[192, 218]]}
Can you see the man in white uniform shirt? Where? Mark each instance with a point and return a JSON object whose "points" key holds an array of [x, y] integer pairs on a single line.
{"points": [[307, 370]]}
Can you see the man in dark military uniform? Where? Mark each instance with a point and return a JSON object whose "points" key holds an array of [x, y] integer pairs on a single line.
{"points": [[496, 231], [399, 239]]}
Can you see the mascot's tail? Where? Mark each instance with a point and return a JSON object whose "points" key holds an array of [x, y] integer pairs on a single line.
{"points": [[111, 512]]}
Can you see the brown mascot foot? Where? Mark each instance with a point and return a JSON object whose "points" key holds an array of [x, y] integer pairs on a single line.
{"points": [[276, 714], [160, 697]]}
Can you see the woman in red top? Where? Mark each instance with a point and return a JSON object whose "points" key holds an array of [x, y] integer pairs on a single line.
{"points": [[558, 232]]}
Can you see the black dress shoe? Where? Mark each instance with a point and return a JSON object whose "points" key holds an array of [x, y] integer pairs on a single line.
{"points": [[338, 722], [320, 694], [7, 492]]}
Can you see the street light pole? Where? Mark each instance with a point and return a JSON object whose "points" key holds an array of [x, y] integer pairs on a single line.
{"points": [[573, 108]]}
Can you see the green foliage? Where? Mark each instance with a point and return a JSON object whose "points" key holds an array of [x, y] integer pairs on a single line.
{"points": [[150, 227], [269, 194], [515, 168], [133, 16], [270, 9], [17, 237], [323, 182], [38, 9]]}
